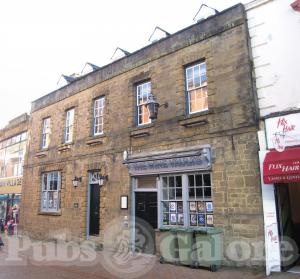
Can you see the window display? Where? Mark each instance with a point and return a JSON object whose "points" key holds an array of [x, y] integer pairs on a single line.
{"points": [[194, 196], [200, 199]]}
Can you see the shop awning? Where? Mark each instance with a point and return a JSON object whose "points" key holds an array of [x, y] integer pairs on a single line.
{"points": [[282, 167]]}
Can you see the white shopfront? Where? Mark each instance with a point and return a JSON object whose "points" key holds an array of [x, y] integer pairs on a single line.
{"points": [[279, 157]]}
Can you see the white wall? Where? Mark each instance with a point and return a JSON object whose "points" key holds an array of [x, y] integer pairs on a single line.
{"points": [[274, 29]]}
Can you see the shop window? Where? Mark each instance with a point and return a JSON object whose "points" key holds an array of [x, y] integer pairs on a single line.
{"points": [[68, 135], [190, 193], [172, 202], [142, 93], [12, 156], [46, 132], [196, 88], [50, 197], [98, 119], [200, 205]]}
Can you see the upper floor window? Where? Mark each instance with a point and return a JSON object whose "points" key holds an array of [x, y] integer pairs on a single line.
{"points": [[51, 185], [46, 132], [196, 86], [142, 93], [68, 137], [98, 122]]}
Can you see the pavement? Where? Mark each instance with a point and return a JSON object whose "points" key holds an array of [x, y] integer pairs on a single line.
{"points": [[36, 261]]}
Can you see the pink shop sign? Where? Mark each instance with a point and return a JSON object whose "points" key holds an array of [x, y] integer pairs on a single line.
{"points": [[283, 131]]}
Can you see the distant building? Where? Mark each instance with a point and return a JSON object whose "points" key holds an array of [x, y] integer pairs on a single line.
{"points": [[13, 142]]}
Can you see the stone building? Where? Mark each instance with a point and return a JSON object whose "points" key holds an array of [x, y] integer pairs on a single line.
{"points": [[13, 140], [94, 145]]}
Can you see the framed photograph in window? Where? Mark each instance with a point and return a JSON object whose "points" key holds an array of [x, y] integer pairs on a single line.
{"points": [[193, 206], [209, 207], [172, 206], [173, 219], [193, 220], [180, 219], [179, 207], [210, 220], [201, 219], [201, 206]]}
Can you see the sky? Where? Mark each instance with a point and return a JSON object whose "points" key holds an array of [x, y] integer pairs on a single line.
{"points": [[40, 40]]}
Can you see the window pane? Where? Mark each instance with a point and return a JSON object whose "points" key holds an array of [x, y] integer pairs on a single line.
{"points": [[165, 182], [146, 182], [142, 92], [45, 132], [50, 191], [199, 180], [191, 180], [69, 125], [203, 68], [207, 192], [197, 81], [165, 206], [199, 192], [44, 182], [165, 194], [191, 192], [189, 73], [171, 194], [50, 200], [171, 181], [206, 178], [190, 84], [98, 115], [178, 193], [198, 100], [203, 80], [178, 181], [44, 200]]}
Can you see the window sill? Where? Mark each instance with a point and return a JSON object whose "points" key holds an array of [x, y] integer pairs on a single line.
{"points": [[65, 146], [50, 213], [197, 114], [41, 153], [95, 140], [197, 119], [141, 131]]}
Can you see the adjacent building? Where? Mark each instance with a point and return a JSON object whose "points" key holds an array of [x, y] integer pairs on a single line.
{"points": [[13, 141], [96, 154], [275, 47]]}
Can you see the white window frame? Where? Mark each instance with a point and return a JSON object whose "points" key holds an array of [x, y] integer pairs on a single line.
{"points": [[69, 125], [185, 199], [202, 84], [46, 190], [46, 132], [98, 116], [142, 96]]}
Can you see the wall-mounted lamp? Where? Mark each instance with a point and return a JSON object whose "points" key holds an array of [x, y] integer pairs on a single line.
{"points": [[102, 179], [153, 106], [76, 180]]}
